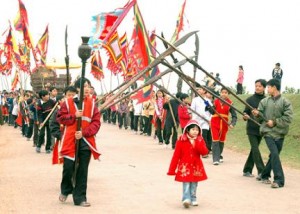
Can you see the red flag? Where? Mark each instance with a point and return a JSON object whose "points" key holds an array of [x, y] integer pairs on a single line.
{"points": [[22, 19], [117, 22], [113, 48], [179, 24], [41, 48], [97, 67]]}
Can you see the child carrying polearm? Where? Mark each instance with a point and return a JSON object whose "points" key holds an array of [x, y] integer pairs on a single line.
{"points": [[186, 163]]}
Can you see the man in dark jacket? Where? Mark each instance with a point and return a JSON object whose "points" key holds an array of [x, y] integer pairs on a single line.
{"points": [[172, 121], [276, 114], [44, 107], [254, 136]]}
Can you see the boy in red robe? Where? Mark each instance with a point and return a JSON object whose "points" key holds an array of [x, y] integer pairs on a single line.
{"points": [[68, 115], [219, 127]]}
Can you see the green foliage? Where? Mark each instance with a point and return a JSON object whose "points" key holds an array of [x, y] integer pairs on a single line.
{"points": [[237, 139], [291, 90], [233, 89]]}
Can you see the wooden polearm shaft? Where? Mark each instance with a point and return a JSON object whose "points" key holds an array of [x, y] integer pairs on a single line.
{"points": [[181, 74], [149, 82], [48, 116], [193, 88], [154, 63], [193, 62]]}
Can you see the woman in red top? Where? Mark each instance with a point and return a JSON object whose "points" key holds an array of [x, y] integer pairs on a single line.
{"points": [[186, 163]]}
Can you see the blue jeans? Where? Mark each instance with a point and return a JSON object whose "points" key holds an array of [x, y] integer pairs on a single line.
{"points": [[275, 147], [189, 191]]}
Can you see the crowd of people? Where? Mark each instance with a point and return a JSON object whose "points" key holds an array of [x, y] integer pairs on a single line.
{"points": [[194, 127]]}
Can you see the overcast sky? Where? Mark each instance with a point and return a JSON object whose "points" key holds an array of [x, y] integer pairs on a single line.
{"points": [[255, 34]]}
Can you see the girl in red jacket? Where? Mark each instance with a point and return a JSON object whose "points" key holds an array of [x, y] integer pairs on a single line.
{"points": [[186, 163]]}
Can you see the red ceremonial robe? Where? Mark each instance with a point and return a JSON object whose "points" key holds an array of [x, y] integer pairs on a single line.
{"points": [[90, 127]]}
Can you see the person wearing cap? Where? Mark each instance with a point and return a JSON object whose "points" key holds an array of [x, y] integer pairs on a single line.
{"points": [[186, 163]]}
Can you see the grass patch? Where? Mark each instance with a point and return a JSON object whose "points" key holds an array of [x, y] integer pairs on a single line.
{"points": [[237, 139]]}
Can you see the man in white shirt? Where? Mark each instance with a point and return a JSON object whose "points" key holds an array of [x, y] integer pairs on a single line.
{"points": [[199, 106]]}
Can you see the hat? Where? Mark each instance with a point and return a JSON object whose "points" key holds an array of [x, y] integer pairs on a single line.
{"points": [[192, 122]]}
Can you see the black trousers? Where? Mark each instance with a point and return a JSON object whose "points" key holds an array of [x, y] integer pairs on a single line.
{"points": [[131, 116], [136, 123], [113, 117], [159, 131], [254, 156], [146, 122], [24, 127], [29, 130], [239, 88], [206, 134], [169, 130], [66, 186], [122, 120], [42, 137], [35, 134], [274, 163]]}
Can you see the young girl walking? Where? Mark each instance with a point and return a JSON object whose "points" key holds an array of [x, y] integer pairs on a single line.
{"points": [[186, 163]]}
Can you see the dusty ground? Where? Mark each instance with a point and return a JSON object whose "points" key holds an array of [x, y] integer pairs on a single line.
{"points": [[131, 178]]}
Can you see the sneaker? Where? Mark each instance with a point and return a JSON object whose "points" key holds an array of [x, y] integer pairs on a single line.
{"points": [[248, 174], [186, 203], [258, 178], [275, 185], [160, 143], [221, 159], [166, 146], [266, 181], [216, 163], [62, 198], [194, 203], [38, 149], [84, 204]]}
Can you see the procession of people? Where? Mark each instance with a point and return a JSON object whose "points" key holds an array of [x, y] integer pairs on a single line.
{"points": [[49, 119]]}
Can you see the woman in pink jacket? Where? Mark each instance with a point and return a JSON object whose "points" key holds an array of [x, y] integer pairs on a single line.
{"points": [[186, 163], [240, 80]]}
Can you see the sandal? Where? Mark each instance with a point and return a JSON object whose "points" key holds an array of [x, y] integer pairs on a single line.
{"points": [[62, 198]]}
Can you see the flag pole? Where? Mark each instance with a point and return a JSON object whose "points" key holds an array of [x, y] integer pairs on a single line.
{"points": [[84, 52]]}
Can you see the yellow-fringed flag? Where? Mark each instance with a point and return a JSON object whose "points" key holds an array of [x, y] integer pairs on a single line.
{"points": [[145, 54], [97, 67], [41, 48]]}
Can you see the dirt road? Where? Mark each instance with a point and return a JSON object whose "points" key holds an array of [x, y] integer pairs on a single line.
{"points": [[131, 178]]}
